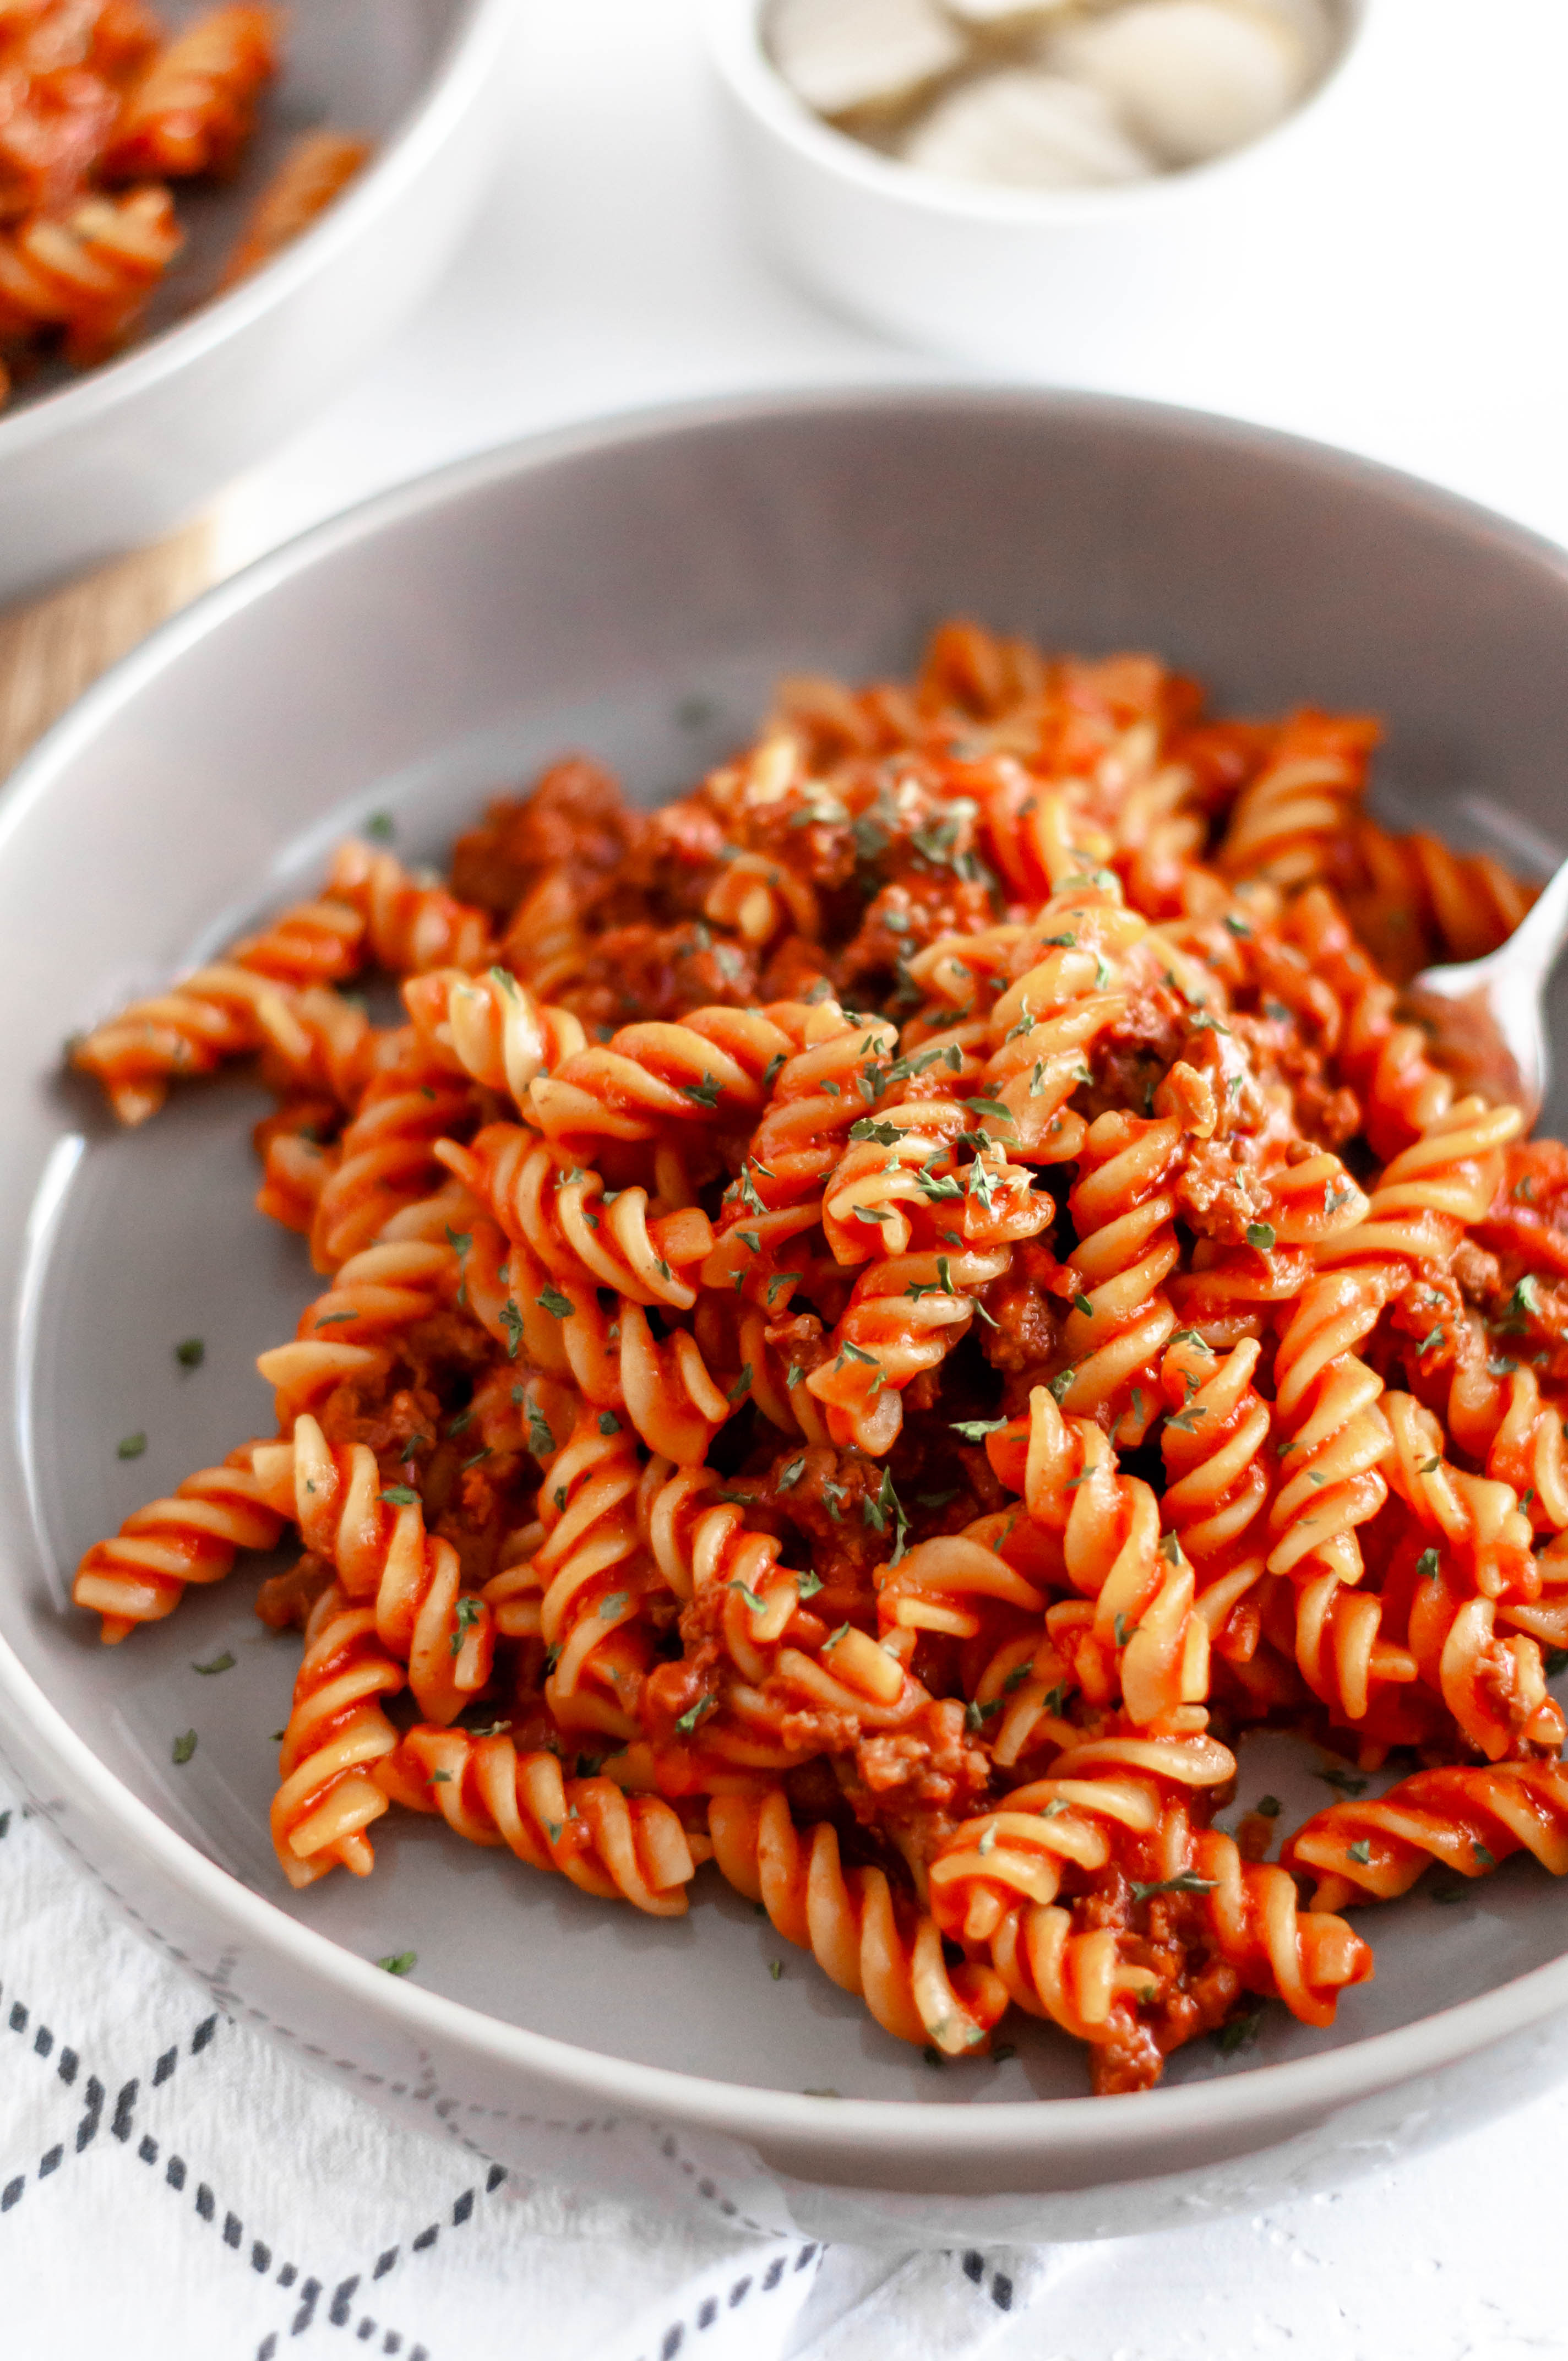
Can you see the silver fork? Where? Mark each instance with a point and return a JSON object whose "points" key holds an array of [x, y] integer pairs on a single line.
{"points": [[1486, 1015]]}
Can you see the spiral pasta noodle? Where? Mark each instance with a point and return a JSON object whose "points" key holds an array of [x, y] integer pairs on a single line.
{"points": [[296, 1161], [66, 70], [336, 1736], [1501, 1416], [193, 1536], [703, 1552], [222, 1011], [1467, 1817], [90, 274], [1062, 1000], [1287, 821], [1386, 1059], [817, 1101], [609, 1352], [192, 108], [492, 1027], [902, 1323], [1138, 1639], [651, 1080], [270, 994], [1415, 900], [347, 1332], [578, 1231], [894, 1201], [1124, 1213], [411, 925], [1493, 1683], [775, 1664], [850, 1922], [761, 900], [379, 1550], [590, 1574], [316, 169], [631, 1848], [1214, 1443], [1305, 1958], [1330, 1400], [386, 1154]]}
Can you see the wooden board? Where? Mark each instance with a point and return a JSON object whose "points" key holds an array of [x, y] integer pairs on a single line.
{"points": [[52, 649]]}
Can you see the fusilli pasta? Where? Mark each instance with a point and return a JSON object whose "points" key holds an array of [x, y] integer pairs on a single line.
{"points": [[872, 1313]]}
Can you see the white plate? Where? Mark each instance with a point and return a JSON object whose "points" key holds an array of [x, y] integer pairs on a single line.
{"points": [[633, 590], [96, 463]]}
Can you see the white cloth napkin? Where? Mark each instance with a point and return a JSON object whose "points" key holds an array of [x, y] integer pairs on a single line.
{"points": [[172, 2188]]}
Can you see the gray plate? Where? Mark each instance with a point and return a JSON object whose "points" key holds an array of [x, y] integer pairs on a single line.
{"points": [[634, 591]]}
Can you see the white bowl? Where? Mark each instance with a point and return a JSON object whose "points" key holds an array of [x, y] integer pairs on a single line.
{"points": [[984, 273], [105, 462], [406, 658]]}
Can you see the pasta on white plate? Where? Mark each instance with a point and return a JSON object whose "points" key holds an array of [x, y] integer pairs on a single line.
{"points": [[874, 1318]]}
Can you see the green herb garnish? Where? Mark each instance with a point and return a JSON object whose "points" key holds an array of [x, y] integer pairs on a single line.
{"points": [[467, 1613]]}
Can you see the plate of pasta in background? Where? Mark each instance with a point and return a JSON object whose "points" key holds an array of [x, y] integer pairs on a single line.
{"points": [[793, 1401], [109, 116], [210, 211]]}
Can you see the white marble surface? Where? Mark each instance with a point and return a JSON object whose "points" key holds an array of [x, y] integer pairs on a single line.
{"points": [[1411, 306], [1451, 2258]]}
